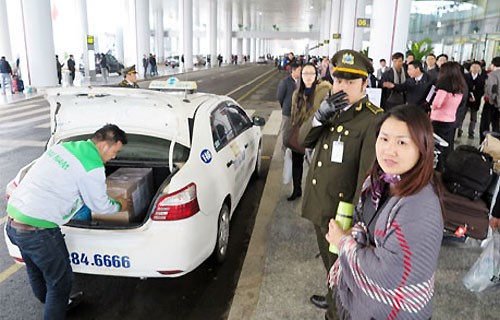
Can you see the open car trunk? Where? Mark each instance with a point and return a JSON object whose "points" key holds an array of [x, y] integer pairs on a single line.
{"points": [[139, 193]]}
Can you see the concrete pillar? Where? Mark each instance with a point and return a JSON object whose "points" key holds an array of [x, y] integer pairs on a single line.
{"points": [[359, 32], [229, 28], [335, 27], [325, 28], [5, 46], [253, 50], [187, 33], [246, 26], [389, 28], [159, 39], [120, 56], [348, 24], [253, 41], [213, 32], [143, 31], [39, 43], [84, 31], [196, 23]]}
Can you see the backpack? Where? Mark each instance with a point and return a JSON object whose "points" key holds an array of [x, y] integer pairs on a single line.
{"points": [[467, 172]]}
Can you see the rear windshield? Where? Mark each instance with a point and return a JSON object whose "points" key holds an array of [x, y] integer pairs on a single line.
{"points": [[145, 148]]}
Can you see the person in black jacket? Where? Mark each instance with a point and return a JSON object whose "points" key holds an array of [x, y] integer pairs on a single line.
{"points": [[59, 69], [71, 68], [396, 75], [284, 94], [6, 73], [475, 81], [416, 87]]}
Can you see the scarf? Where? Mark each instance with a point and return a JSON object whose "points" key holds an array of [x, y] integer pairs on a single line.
{"points": [[396, 77]]}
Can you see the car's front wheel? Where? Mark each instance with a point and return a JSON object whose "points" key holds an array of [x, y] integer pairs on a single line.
{"points": [[258, 162], [222, 243]]}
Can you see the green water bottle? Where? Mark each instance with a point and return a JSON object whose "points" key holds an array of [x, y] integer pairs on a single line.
{"points": [[343, 219]]}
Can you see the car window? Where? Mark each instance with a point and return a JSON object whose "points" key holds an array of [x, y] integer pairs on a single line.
{"points": [[222, 131], [145, 148], [238, 118]]}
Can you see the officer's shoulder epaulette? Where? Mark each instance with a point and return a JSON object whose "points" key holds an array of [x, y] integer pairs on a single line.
{"points": [[373, 108]]}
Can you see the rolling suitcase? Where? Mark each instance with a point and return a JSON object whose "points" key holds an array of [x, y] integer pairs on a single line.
{"points": [[460, 211], [20, 85]]}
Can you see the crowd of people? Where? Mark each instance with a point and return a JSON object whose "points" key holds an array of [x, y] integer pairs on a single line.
{"points": [[380, 161]]}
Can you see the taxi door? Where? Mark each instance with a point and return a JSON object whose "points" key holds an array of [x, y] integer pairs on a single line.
{"points": [[226, 148]]}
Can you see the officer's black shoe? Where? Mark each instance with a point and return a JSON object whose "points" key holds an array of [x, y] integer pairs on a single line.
{"points": [[74, 300], [319, 301], [297, 193]]}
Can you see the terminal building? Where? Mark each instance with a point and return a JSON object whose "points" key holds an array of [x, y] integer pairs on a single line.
{"points": [[34, 31]]}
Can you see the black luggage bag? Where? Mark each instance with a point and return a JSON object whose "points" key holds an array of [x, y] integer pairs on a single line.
{"points": [[467, 172]]}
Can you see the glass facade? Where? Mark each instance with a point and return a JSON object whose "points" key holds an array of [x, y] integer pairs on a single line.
{"points": [[464, 30]]}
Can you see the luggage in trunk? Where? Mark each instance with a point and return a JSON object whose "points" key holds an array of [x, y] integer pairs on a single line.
{"points": [[132, 186], [461, 211]]}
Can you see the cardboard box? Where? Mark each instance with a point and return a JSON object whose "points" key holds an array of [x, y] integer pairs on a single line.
{"points": [[134, 186]]}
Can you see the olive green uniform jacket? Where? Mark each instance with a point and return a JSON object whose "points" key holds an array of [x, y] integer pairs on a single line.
{"points": [[329, 182], [125, 83]]}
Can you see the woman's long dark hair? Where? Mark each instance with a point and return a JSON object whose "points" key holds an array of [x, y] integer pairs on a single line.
{"points": [[309, 100], [420, 128], [451, 78]]}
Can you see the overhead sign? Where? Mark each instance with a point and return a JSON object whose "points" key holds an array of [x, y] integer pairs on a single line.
{"points": [[336, 36], [326, 41], [363, 23], [90, 39]]}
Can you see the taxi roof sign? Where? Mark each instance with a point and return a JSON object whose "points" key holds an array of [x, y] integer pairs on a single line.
{"points": [[173, 84]]}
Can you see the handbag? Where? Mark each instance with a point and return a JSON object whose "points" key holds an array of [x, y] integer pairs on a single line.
{"points": [[491, 146], [485, 272], [396, 98], [293, 140]]}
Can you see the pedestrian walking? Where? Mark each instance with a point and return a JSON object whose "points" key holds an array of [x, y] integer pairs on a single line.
{"points": [[6, 74]]}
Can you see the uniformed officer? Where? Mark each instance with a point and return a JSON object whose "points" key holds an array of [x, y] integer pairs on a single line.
{"points": [[342, 132], [130, 78]]}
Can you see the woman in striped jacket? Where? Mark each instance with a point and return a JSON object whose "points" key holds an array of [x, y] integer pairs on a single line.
{"points": [[388, 260]]}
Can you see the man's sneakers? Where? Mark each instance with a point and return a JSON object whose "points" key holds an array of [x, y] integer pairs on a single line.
{"points": [[319, 301], [74, 300]]}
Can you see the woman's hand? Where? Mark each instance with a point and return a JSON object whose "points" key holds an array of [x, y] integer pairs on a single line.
{"points": [[494, 223], [335, 233]]}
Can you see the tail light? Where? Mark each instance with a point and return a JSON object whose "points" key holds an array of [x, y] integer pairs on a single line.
{"points": [[177, 205]]}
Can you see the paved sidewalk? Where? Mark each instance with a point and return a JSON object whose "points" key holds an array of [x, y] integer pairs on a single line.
{"points": [[282, 268]]}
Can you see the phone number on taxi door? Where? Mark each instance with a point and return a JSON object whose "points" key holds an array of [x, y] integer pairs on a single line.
{"points": [[101, 260]]}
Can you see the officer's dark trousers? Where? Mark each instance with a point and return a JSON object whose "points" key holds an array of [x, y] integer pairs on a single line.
{"points": [[297, 170], [490, 115], [328, 261]]}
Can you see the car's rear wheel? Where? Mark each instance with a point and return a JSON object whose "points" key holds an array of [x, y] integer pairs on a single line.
{"points": [[222, 243]]}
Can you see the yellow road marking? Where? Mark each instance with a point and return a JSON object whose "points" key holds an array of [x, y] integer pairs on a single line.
{"points": [[10, 271], [243, 97]]}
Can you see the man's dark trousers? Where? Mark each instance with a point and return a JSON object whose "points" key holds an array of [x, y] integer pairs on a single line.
{"points": [[47, 263]]}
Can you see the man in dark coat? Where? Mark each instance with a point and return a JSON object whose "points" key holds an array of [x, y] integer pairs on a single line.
{"points": [[396, 75], [475, 80], [71, 68], [342, 132], [59, 69], [284, 94], [416, 87]]}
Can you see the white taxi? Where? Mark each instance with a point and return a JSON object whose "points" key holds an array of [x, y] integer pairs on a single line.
{"points": [[202, 150]]}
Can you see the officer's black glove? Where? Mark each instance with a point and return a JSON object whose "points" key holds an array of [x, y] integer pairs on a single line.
{"points": [[331, 105]]}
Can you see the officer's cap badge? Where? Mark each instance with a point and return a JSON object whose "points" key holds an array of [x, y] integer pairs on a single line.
{"points": [[348, 58]]}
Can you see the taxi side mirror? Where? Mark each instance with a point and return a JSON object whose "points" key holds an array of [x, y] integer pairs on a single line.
{"points": [[258, 121]]}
